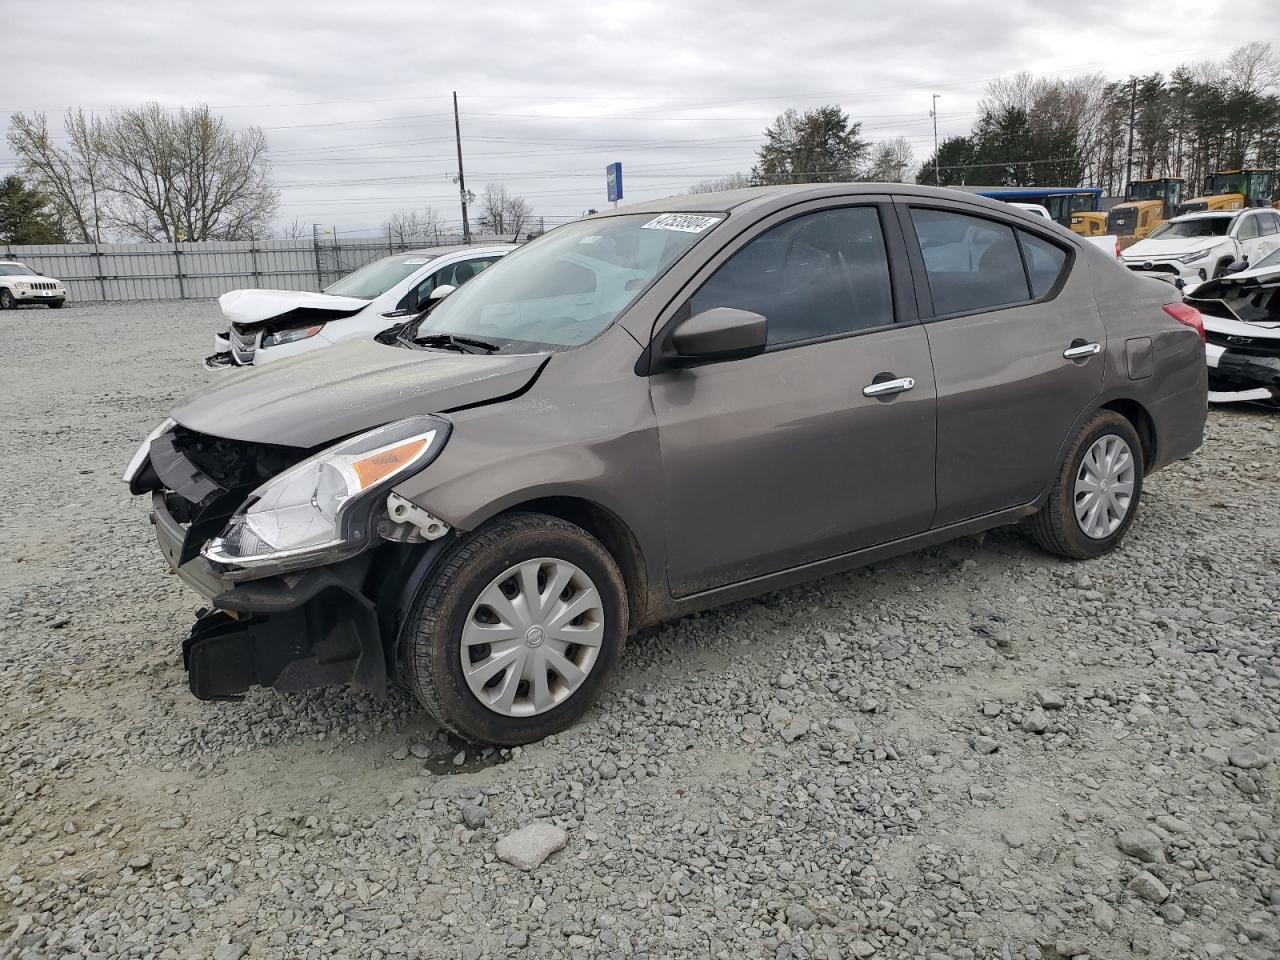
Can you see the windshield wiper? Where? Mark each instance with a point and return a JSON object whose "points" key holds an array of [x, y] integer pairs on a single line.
{"points": [[451, 341]]}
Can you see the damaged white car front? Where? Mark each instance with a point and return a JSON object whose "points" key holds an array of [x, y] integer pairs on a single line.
{"points": [[1241, 313]]}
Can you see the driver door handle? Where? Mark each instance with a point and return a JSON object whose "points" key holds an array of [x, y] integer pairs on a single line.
{"points": [[887, 388], [1084, 350]]}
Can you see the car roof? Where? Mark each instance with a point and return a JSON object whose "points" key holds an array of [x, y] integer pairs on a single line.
{"points": [[782, 195], [446, 249]]}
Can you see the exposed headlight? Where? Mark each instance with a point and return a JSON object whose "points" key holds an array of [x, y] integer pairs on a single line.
{"points": [[1193, 257], [23, 285], [320, 509], [290, 336], [140, 457]]}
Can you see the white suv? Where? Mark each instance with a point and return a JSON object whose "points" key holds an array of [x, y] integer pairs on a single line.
{"points": [[270, 325], [20, 284]]}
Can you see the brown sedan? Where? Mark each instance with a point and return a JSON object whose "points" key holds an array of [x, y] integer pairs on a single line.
{"points": [[657, 410]]}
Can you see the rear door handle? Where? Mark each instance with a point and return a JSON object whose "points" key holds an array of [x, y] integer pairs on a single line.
{"points": [[1084, 350], [886, 388]]}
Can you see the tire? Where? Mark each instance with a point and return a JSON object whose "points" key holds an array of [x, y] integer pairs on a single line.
{"points": [[6, 299], [449, 609], [1056, 528], [56, 304]]}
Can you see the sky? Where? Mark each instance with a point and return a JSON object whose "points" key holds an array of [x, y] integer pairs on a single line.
{"points": [[356, 99]]}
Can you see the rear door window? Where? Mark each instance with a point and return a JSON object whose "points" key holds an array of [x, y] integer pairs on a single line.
{"points": [[1045, 262], [971, 263], [818, 275], [1268, 224]]}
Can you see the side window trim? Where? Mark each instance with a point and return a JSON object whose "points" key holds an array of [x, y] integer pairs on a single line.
{"points": [[920, 277], [905, 311]]}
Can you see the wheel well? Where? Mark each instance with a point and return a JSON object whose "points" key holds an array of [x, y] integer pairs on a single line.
{"points": [[1143, 425], [613, 533]]}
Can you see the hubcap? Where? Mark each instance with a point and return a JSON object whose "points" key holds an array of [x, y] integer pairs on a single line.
{"points": [[532, 637], [1104, 487]]}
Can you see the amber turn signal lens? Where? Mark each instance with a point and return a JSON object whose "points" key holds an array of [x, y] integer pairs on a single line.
{"points": [[374, 467]]}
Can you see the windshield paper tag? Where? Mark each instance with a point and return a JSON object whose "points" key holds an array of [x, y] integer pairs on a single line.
{"points": [[683, 222], [415, 261]]}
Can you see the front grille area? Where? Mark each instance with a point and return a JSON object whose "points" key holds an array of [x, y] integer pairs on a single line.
{"points": [[1250, 346], [243, 345], [1154, 268], [43, 285]]}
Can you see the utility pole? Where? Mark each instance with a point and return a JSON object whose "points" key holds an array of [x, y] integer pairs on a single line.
{"points": [[1133, 116], [462, 180], [937, 170]]}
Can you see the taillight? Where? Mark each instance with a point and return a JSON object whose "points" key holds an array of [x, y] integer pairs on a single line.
{"points": [[1187, 315], [1117, 248]]}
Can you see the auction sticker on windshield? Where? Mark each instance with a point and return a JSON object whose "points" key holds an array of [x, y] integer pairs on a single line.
{"points": [[683, 222]]}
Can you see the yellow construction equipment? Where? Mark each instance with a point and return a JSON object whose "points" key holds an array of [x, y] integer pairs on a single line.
{"points": [[1147, 204], [1233, 190]]}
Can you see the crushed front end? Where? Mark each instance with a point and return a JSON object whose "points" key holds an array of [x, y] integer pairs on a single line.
{"points": [[1242, 331], [277, 540]]}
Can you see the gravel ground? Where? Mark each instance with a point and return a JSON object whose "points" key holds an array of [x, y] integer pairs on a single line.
{"points": [[977, 751]]}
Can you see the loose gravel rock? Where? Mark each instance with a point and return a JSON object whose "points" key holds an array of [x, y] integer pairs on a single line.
{"points": [[850, 768]]}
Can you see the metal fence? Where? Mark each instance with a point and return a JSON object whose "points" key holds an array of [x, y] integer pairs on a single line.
{"points": [[192, 271]]}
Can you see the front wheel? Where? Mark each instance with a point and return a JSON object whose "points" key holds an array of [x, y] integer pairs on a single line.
{"points": [[1095, 495], [6, 299], [516, 633], [56, 304]]}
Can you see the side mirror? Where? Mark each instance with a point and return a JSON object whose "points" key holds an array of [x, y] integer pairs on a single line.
{"points": [[440, 292], [1235, 266], [721, 333]]}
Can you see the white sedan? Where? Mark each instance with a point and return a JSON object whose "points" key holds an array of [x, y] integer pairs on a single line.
{"points": [[268, 325], [1200, 246]]}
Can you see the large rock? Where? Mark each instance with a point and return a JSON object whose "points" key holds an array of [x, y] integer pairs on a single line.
{"points": [[1142, 845], [1149, 887], [529, 846]]}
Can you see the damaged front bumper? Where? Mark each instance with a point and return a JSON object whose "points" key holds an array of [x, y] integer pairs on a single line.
{"points": [[293, 632], [1236, 376]]}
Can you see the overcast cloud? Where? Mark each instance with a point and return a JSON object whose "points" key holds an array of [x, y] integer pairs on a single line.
{"points": [[355, 97]]}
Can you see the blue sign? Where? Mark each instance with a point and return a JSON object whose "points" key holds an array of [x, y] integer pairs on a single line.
{"points": [[613, 177]]}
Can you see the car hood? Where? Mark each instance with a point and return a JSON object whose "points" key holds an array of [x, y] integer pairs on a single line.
{"points": [[28, 278], [323, 396], [1149, 249], [248, 307]]}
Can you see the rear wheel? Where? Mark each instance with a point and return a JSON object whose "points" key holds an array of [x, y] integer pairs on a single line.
{"points": [[1096, 493], [56, 304], [517, 632]]}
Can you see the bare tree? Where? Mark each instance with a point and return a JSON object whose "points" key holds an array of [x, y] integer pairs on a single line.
{"points": [[503, 213], [414, 226], [152, 174], [293, 231], [734, 181], [74, 176], [891, 161]]}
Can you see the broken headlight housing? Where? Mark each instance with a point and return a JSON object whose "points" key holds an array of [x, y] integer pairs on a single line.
{"points": [[139, 459], [321, 509]]}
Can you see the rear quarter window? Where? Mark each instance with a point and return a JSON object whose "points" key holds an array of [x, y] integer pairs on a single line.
{"points": [[1045, 263]]}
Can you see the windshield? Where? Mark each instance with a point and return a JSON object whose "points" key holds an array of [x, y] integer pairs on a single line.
{"points": [[1199, 227], [567, 286], [1146, 190], [14, 270], [375, 279]]}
